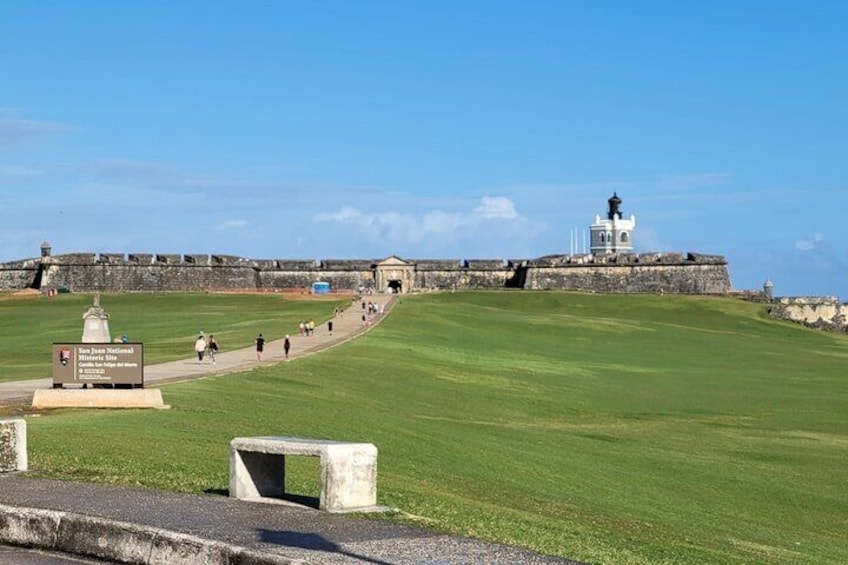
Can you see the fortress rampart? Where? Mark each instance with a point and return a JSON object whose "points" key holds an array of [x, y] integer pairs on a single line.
{"points": [[611, 272], [819, 312], [649, 272]]}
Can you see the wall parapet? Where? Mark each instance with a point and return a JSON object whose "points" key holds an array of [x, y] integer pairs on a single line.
{"points": [[302, 265], [807, 300], [486, 264], [436, 264], [23, 264], [346, 264], [663, 258]]}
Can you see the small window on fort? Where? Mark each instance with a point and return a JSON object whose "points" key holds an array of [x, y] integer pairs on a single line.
{"points": [[603, 238], [624, 237]]}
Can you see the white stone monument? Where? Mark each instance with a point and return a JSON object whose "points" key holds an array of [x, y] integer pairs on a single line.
{"points": [[96, 328]]}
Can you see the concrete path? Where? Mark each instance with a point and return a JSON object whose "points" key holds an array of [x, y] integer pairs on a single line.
{"points": [[346, 326], [133, 525]]}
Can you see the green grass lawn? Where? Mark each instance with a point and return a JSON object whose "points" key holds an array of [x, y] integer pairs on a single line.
{"points": [[166, 323], [610, 429]]}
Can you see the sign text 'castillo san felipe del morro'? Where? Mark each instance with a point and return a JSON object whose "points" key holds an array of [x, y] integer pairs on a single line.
{"points": [[611, 266]]}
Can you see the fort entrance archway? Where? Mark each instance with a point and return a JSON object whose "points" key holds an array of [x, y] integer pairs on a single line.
{"points": [[394, 275]]}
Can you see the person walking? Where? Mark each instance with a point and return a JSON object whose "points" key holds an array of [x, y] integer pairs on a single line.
{"points": [[287, 345], [212, 344], [260, 345], [200, 347]]}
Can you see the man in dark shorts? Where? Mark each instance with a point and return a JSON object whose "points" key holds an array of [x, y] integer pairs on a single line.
{"points": [[260, 345]]}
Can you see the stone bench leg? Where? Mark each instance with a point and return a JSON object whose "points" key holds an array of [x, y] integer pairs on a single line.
{"points": [[253, 475], [13, 446], [348, 477]]}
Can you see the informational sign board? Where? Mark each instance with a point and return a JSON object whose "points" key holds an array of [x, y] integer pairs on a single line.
{"points": [[98, 364]]}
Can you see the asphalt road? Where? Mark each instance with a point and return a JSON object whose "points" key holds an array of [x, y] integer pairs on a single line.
{"points": [[23, 556]]}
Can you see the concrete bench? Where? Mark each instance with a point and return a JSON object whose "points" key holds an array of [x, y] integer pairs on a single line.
{"points": [[348, 470]]}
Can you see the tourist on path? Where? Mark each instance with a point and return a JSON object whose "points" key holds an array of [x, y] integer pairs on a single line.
{"points": [[260, 345], [287, 345], [212, 344], [200, 347]]}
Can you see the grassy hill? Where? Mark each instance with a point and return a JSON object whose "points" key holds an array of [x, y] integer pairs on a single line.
{"points": [[613, 429]]}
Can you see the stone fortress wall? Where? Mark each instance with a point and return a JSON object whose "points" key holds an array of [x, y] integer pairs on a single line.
{"points": [[630, 272], [819, 312], [612, 272]]}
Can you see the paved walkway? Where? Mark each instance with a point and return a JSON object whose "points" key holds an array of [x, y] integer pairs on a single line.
{"points": [[136, 525], [125, 518]]}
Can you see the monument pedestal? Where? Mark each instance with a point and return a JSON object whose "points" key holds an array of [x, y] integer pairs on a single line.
{"points": [[96, 326], [99, 398]]}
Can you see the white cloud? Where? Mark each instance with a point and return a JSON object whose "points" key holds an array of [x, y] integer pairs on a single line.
{"points": [[440, 222], [491, 223], [344, 214], [496, 207], [809, 244], [232, 224]]}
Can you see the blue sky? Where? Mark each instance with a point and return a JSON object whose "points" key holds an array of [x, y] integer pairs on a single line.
{"points": [[437, 129]]}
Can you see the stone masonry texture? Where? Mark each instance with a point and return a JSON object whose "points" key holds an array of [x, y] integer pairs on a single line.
{"points": [[617, 273]]}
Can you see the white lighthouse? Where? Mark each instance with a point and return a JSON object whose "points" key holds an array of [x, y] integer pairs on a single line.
{"points": [[614, 234]]}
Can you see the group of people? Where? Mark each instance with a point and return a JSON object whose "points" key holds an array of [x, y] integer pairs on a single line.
{"points": [[260, 346], [306, 328], [369, 311], [205, 347]]}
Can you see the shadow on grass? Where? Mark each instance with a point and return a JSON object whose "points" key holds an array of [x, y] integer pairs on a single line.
{"points": [[297, 499], [314, 542], [218, 491]]}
